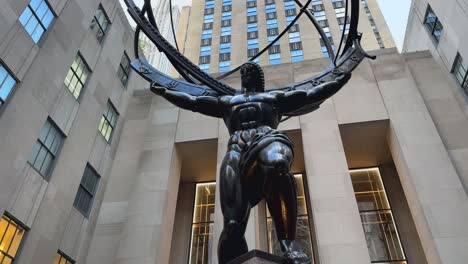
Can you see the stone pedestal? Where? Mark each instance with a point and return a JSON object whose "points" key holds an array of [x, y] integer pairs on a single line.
{"points": [[258, 257]]}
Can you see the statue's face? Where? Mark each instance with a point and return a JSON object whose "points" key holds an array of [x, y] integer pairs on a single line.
{"points": [[248, 83]]}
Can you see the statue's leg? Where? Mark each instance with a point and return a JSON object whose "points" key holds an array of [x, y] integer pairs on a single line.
{"points": [[235, 208], [281, 197]]}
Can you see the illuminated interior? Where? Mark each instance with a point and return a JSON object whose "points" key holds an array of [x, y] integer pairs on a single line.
{"points": [[383, 240], [303, 236], [202, 223], [60, 258], [11, 235]]}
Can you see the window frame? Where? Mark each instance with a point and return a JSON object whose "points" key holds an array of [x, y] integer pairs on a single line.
{"points": [[65, 256], [39, 21], [109, 103], [82, 186], [109, 23], [432, 28], [454, 71], [42, 144], [121, 68], [390, 209], [84, 84], [22, 226], [5, 102]]}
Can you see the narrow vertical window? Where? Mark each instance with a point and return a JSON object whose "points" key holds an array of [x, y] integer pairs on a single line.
{"points": [[77, 76], [460, 70], [11, 236], [124, 69], [381, 232], [303, 236], [433, 24], [46, 149], [202, 223], [100, 23], [108, 122], [7, 84], [61, 258], [36, 18], [87, 191]]}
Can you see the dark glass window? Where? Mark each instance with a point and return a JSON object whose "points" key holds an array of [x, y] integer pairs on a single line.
{"points": [[460, 70], [433, 24], [108, 122], [100, 23], [36, 18], [124, 69], [46, 149], [87, 191], [7, 84], [77, 76]]}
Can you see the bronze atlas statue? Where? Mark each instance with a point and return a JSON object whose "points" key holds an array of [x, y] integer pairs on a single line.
{"points": [[258, 160]]}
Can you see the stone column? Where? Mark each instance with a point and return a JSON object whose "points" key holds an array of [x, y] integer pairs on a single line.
{"points": [[435, 194], [147, 233], [339, 234]]}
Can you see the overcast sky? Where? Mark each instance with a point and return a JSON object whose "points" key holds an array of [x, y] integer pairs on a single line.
{"points": [[396, 14], [394, 11]]}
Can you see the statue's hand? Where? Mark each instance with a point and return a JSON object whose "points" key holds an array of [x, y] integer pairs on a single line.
{"points": [[157, 89]]}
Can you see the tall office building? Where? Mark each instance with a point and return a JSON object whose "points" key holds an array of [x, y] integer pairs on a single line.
{"points": [[161, 11], [222, 34]]}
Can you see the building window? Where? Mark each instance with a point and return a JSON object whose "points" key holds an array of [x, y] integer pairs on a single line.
{"points": [[46, 149], [7, 83], [87, 190], [36, 18], [303, 236], [108, 122], [100, 23], [11, 235], [124, 69], [202, 223], [383, 240], [62, 258], [433, 24], [77, 76], [461, 73]]}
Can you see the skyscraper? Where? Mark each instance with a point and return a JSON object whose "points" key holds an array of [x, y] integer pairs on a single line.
{"points": [[222, 34]]}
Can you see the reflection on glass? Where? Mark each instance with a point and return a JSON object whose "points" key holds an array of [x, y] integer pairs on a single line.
{"points": [[11, 235], [202, 223], [377, 219], [303, 236]]}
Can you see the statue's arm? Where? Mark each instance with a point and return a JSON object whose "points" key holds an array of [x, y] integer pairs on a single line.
{"points": [[293, 100], [207, 105]]}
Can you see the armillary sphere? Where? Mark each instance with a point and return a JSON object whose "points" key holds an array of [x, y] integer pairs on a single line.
{"points": [[197, 82]]}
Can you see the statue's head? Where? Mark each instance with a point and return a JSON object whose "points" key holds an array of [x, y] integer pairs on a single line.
{"points": [[253, 79]]}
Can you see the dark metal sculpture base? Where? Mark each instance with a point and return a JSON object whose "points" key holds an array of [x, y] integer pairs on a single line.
{"points": [[258, 257]]}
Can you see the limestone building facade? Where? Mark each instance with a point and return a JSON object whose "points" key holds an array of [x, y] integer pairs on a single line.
{"points": [[96, 169], [65, 87]]}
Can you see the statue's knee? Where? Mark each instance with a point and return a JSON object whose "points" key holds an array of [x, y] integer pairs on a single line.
{"points": [[279, 163]]}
